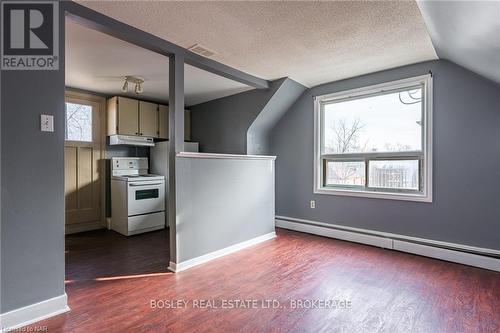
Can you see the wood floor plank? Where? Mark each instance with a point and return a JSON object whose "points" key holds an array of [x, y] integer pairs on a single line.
{"points": [[111, 281]]}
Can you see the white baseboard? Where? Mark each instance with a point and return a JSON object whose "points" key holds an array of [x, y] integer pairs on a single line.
{"points": [[336, 233], [463, 254], [172, 267], [182, 266], [465, 258], [32, 313]]}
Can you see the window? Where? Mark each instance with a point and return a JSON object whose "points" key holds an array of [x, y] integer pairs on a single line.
{"points": [[78, 122], [376, 141]]}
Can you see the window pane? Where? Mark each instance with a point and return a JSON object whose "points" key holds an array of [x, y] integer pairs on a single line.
{"points": [[78, 122], [398, 174], [382, 123], [345, 173]]}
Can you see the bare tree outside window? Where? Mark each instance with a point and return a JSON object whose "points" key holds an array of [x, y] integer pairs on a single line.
{"points": [[78, 122], [345, 138]]}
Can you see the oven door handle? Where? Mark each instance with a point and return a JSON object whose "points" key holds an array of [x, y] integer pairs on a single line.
{"points": [[150, 184]]}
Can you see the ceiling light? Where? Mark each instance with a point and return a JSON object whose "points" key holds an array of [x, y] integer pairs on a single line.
{"points": [[125, 86], [133, 80], [138, 88]]}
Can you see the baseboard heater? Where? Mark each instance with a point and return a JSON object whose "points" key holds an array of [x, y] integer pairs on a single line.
{"points": [[458, 253]]}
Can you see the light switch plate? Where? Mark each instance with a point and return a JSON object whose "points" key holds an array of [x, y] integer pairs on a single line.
{"points": [[47, 123]]}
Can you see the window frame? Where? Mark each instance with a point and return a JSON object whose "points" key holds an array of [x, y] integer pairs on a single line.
{"points": [[424, 194]]}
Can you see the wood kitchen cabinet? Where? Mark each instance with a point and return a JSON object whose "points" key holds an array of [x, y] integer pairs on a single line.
{"points": [[128, 116], [123, 116], [163, 123], [148, 119]]}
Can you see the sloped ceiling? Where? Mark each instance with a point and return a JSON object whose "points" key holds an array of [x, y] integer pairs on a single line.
{"points": [[309, 41], [467, 33]]}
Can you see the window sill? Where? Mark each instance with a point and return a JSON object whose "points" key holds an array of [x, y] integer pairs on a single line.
{"points": [[376, 195]]}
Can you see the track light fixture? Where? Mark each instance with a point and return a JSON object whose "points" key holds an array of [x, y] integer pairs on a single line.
{"points": [[125, 86], [138, 81]]}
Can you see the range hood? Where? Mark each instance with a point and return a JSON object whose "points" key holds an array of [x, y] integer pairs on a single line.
{"points": [[130, 140]]}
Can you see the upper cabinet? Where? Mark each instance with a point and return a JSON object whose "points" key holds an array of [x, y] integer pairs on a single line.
{"points": [[123, 116], [148, 119], [129, 116], [163, 122]]}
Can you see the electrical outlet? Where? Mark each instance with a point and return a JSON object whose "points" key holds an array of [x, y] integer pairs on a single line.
{"points": [[313, 204]]}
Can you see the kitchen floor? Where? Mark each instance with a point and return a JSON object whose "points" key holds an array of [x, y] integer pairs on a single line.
{"points": [[294, 283], [103, 254]]}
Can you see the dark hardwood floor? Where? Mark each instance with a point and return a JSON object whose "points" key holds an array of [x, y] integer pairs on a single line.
{"points": [[112, 280]]}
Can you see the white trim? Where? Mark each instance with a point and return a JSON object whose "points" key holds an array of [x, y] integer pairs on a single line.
{"points": [[464, 258], [172, 267], [426, 195], [178, 267], [375, 88], [336, 233], [459, 253], [186, 154], [32, 313], [374, 194], [462, 247]]}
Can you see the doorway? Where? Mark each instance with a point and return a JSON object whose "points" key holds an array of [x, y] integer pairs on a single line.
{"points": [[84, 162]]}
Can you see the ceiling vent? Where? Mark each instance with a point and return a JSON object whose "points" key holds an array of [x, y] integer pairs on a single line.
{"points": [[201, 50]]}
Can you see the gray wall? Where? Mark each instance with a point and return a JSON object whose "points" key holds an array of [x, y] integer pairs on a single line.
{"points": [[466, 206], [259, 139], [221, 125], [32, 176], [222, 202]]}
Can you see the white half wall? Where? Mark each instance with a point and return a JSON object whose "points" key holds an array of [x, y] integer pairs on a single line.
{"points": [[223, 202]]}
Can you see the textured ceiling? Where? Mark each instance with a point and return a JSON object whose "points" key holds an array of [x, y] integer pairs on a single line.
{"points": [[98, 62], [467, 33], [311, 42]]}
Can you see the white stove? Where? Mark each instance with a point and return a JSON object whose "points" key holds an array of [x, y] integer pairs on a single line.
{"points": [[137, 198]]}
